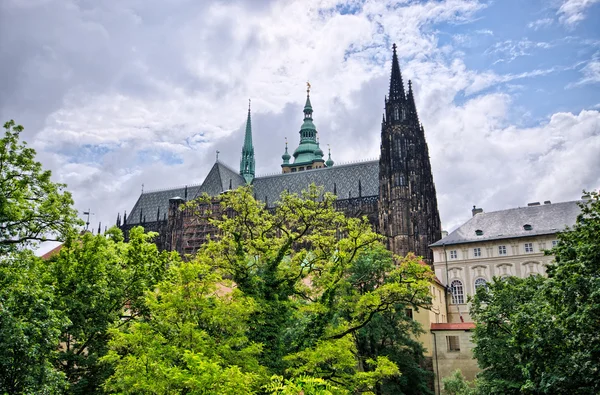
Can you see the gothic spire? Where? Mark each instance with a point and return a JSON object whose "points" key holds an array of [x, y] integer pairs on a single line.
{"points": [[396, 84], [412, 108], [247, 160]]}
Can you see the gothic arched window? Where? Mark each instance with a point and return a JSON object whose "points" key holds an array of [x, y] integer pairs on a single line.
{"points": [[458, 295], [396, 113], [480, 282]]}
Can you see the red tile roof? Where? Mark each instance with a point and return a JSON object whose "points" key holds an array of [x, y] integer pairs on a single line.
{"points": [[453, 326], [52, 252]]}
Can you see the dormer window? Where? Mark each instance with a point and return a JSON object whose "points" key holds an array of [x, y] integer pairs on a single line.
{"points": [[527, 227], [479, 232]]}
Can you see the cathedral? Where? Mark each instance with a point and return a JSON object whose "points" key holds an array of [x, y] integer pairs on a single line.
{"points": [[396, 192]]}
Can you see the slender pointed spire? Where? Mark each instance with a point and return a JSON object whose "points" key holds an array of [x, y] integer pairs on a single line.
{"points": [[99, 227], [396, 84], [308, 106], [412, 108], [248, 135], [247, 160]]}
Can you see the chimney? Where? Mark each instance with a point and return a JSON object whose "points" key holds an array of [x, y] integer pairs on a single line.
{"points": [[533, 204], [476, 210], [444, 233], [547, 202]]}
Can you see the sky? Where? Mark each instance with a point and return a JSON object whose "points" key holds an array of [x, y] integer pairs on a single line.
{"points": [[114, 95]]}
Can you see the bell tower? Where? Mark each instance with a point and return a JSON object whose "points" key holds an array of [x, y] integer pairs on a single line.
{"points": [[408, 212]]}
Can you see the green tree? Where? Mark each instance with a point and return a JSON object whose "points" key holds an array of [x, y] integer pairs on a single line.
{"points": [[573, 293], [542, 335], [29, 328], [195, 342], [458, 385], [281, 292], [391, 333], [32, 207], [99, 283]]}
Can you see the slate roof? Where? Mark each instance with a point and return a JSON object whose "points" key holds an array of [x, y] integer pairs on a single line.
{"points": [[505, 224], [220, 178], [345, 179]]}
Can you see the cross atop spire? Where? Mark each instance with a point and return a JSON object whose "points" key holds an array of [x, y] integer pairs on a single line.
{"points": [[396, 84]]}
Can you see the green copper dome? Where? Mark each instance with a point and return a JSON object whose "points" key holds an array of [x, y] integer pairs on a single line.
{"points": [[329, 161], [308, 150], [286, 156]]}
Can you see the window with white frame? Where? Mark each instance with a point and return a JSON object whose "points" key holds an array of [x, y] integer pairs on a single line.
{"points": [[501, 250], [453, 254], [528, 247], [458, 295], [554, 243], [480, 282], [476, 252]]}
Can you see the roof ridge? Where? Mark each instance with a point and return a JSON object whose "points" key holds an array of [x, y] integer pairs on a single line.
{"points": [[168, 189], [346, 164], [528, 207]]}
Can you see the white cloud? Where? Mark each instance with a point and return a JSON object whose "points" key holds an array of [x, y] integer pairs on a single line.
{"points": [[571, 12], [509, 50], [540, 23], [591, 74], [149, 84]]}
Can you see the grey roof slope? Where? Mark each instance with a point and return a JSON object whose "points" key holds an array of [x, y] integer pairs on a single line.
{"points": [[220, 178], [345, 179], [506, 224]]}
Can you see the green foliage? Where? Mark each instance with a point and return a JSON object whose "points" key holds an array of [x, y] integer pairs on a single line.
{"points": [[195, 342], [541, 335], [275, 300], [458, 385], [29, 328], [302, 385], [100, 282], [318, 279], [32, 208]]}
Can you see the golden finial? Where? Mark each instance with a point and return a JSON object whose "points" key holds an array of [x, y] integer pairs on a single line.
{"points": [[286, 142], [307, 88]]}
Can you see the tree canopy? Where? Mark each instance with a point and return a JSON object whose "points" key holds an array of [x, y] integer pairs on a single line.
{"points": [[287, 292], [32, 207]]}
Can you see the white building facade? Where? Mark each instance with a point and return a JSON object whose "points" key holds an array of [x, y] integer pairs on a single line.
{"points": [[498, 244]]}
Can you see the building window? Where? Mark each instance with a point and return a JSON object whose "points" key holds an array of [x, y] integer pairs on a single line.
{"points": [[528, 247], [453, 254], [409, 313], [476, 252], [527, 227], [554, 243], [293, 169], [479, 232], [458, 295], [480, 282], [501, 250], [453, 343]]}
